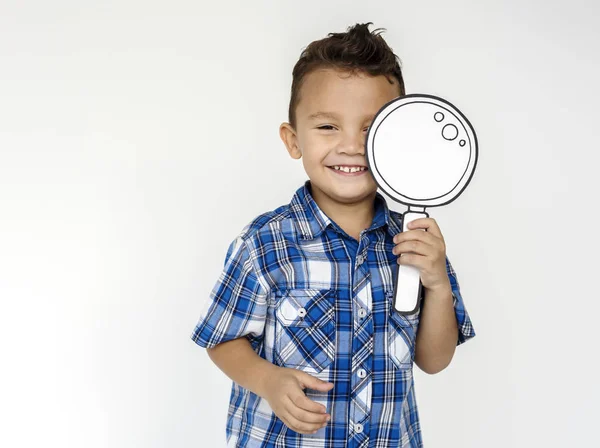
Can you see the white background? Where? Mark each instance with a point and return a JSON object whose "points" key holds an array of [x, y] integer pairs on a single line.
{"points": [[137, 138]]}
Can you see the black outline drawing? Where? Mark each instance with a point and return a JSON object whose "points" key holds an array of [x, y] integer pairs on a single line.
{"points": [[416, 203]]}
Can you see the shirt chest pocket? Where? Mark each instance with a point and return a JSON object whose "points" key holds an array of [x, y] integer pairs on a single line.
{"points": [[305, 329], [402, 334]]}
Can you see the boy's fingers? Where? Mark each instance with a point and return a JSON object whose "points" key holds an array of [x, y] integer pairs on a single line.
{"points": [[299, 426], [415, 247], [413, 235], [308, 417], [314, 383], [428, 224], [303, 402]]}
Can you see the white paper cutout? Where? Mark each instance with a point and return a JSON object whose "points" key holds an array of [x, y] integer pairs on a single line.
{"points": [[422, 152]]}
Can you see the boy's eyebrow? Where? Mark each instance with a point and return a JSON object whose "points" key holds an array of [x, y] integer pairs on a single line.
{"points": [[331, 116], [322, 115]]}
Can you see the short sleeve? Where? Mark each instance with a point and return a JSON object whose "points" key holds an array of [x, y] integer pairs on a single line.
{"points": [[465, 326], [237, 304]]}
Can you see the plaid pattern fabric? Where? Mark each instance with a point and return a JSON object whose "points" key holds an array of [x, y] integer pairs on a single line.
{"points": [[309, 297]]}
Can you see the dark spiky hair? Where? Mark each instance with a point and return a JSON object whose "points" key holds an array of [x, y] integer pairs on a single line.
{"points": [[356, 50]]}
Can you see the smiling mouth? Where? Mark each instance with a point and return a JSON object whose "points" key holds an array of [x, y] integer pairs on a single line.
{"points": [[348, 168]]}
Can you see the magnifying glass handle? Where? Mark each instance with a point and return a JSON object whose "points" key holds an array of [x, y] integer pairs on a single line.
{"points": [[408, 282]]}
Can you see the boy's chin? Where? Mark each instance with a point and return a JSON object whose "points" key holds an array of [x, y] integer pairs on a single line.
{"points": [[354, 198], [347, 194]]}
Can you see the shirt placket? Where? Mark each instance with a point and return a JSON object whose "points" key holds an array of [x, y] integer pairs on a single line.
{"points": [[362, 348]]}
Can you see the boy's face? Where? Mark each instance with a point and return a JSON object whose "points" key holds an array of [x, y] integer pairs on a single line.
{"points": [[333, 115]]}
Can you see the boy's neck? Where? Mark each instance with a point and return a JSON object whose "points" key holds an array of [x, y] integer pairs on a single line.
{"points": [[352, 218]]}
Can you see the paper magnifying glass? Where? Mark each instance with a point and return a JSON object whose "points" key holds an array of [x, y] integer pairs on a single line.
{"points": [[422, 152]]}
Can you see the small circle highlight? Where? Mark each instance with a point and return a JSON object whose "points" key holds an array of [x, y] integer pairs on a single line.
{"points": [[438, 116], [450, 132]]}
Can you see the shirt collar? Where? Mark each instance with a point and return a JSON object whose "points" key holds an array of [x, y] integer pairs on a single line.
{"points": [[311, 221]]}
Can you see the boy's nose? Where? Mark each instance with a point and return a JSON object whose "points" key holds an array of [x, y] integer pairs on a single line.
{"points": [[352, 143]]}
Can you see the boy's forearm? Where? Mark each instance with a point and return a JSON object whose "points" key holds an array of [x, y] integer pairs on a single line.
{"points": [[438, 331], [240, 362]]}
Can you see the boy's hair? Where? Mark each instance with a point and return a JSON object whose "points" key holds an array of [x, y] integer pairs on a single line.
{"points": [[356, 50]]}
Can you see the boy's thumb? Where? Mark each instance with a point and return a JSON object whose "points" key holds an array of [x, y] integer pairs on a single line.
{"points": [[312, 382]]}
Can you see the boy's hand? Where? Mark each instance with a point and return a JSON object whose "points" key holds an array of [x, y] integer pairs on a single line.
{"points": [[284, 392], [424, 250]]}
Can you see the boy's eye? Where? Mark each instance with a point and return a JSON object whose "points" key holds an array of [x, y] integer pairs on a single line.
{"points": [[329, 127]]}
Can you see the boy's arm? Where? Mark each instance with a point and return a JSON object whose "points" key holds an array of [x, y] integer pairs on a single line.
{"points": [[444, 322], [283, 388], [438, 331], [237, 311], [241, 364]]}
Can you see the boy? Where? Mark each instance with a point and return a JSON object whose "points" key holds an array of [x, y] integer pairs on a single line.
{"points": [[301, 319]]}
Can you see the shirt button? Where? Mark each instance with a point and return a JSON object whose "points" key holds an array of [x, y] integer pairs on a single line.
{"points": [[358, 428], [361, 373], [359, 259], [301, 312], [362, 313]]}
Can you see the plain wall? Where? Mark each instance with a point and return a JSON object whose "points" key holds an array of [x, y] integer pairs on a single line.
{"points": [[138, 138]]}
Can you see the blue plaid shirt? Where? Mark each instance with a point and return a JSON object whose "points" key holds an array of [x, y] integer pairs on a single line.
{"points": [[310, 297]]}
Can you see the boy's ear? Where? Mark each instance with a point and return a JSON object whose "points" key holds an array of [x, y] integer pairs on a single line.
{"points": [[290, 139]]}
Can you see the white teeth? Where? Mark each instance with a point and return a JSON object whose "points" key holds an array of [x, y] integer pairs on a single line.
{"points": [[346, 169]]}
